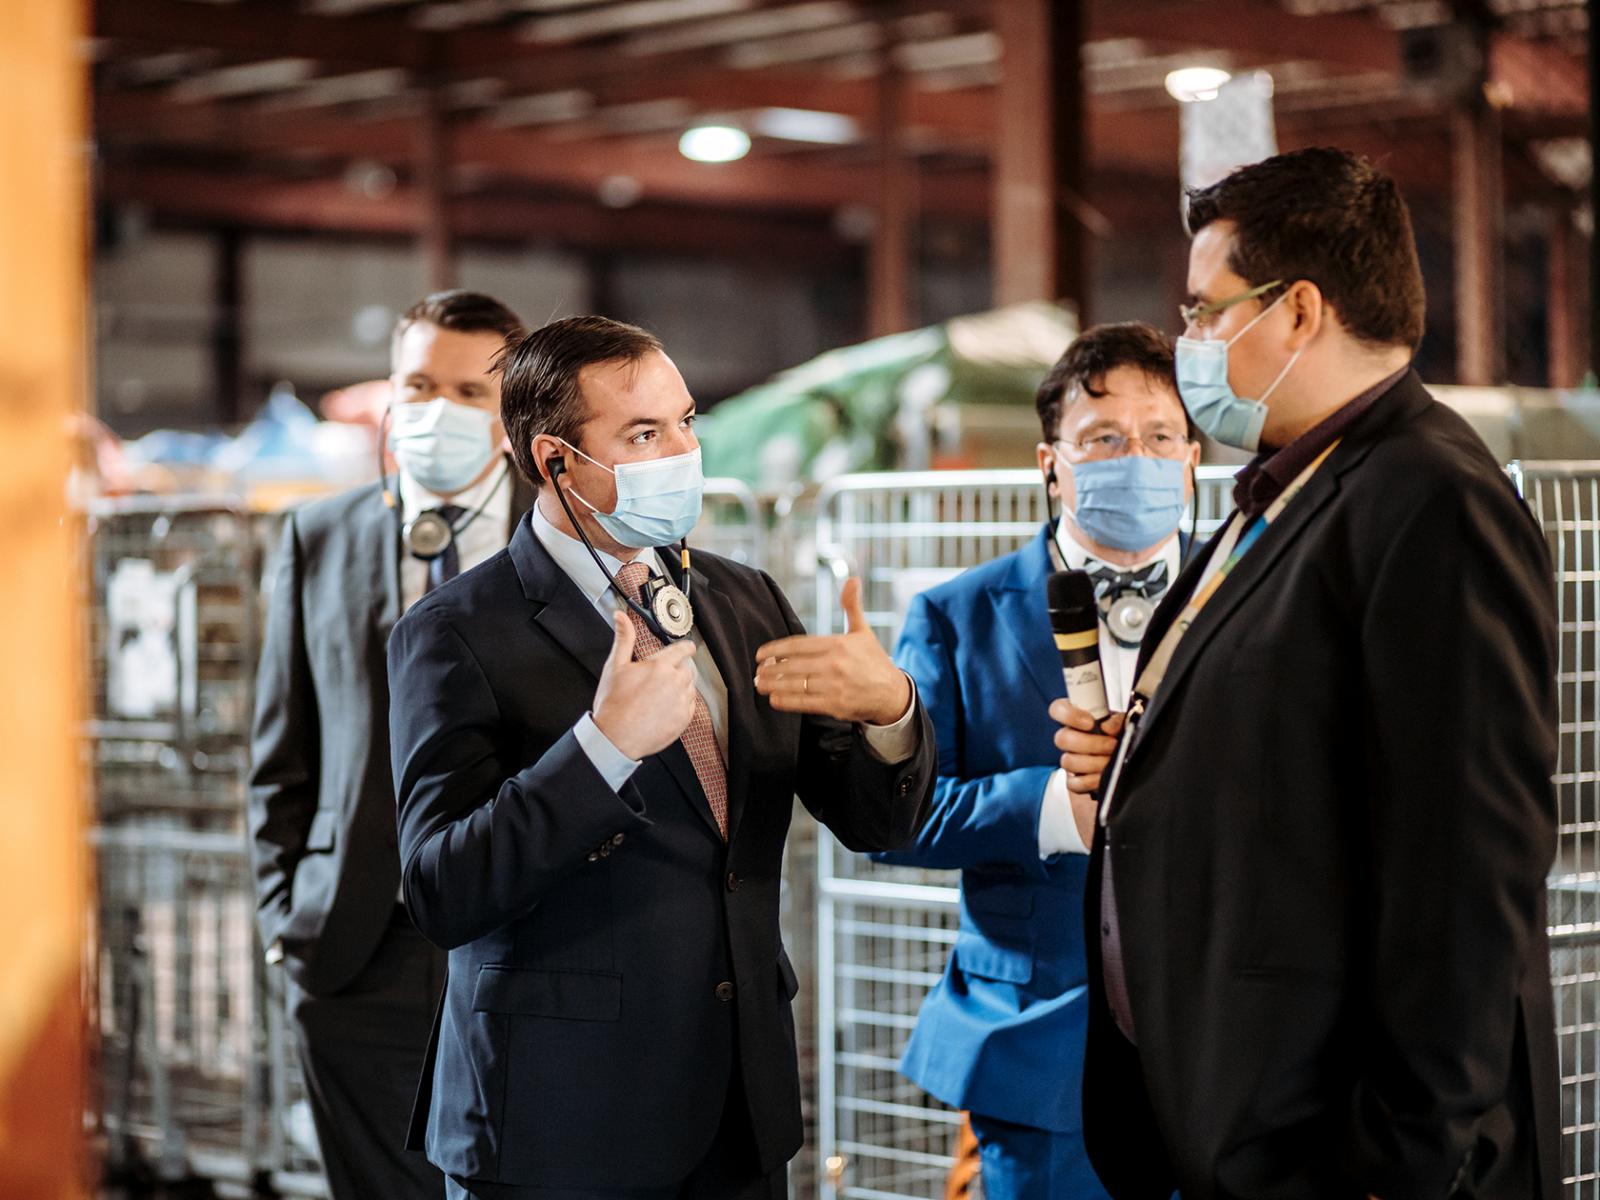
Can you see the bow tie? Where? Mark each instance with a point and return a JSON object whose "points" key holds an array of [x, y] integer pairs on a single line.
{"points": [[1127, 598], [1109, 583]]}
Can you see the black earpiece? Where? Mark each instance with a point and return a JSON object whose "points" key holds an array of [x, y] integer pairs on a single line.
{"points": [[555, 464], [1050, 475]]}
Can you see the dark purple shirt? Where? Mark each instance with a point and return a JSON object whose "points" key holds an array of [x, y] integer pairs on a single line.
{"points": [[1266, 476]]}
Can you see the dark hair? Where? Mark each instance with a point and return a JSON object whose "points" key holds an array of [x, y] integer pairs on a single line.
{"points": [[1334, 219], [461, 311], [539, 379], [1093, 355]]}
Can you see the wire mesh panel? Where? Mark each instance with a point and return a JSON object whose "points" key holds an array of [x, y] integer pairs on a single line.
{"points": [[731, 522], [1565, 497], [884, 932]]}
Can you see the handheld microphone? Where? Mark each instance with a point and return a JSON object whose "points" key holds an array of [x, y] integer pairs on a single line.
{"points": [[1075, 618]]}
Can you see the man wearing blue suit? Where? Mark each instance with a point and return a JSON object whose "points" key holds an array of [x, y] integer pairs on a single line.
{"points": [[1002, 1034]]}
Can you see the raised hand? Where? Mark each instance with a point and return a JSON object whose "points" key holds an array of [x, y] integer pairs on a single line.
{"points": [[643, 707], [848, 676]]}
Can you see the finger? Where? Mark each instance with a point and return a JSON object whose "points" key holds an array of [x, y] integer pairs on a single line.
{"points": [[676, 653], [1083, 764], [1082, 783], [801, 702], [622, 639], [1085, 743], [855, 613], [801, 646], [1064, 712]]}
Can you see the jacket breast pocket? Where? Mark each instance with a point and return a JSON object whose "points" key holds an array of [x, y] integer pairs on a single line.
{"points": [[568, 995]]}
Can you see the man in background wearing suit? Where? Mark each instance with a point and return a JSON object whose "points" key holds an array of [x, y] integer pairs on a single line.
{"points": [[363, 983], [592, 821], [1002, 1034], [1317, 907]]}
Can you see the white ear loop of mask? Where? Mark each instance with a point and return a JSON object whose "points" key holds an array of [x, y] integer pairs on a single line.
{"points": [[1293, 358]]}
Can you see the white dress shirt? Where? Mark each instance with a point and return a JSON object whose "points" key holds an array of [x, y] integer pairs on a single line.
{"points": [[1058, 831], [890, 743], [483, 538]]}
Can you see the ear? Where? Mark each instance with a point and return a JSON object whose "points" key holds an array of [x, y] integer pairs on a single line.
{"points": [[549, 456], [1047, 468], [1309, 310]]}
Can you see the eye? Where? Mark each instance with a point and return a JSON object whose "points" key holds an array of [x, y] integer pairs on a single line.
{"points": [[1163, 441], [1104, 441], [688, 422], [643, 438]]}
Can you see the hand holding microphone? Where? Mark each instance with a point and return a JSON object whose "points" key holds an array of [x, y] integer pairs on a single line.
{"points": [[1088, 734], [643, 707]]}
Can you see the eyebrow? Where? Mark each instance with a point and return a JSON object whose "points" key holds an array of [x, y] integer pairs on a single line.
{"points": [[652, 422]]}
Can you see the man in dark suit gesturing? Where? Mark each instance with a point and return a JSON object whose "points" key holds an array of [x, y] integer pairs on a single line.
{"points": [[363, 984], [1317, 909], [596, 744]]}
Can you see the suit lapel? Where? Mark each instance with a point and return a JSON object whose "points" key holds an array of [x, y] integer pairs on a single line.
{"points": [[377, 549], [1019, 603], [1254, 567], [713, 616], [1404, 400]]}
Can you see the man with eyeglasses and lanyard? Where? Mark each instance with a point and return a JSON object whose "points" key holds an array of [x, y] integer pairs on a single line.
{"points": [[1001, 1036], [1316, 899], [362, 982]]}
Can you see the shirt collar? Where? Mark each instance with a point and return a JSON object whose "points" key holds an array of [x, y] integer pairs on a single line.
{"points": [[1075, 557], [492, 492], [1266, 476], [573, 557]]}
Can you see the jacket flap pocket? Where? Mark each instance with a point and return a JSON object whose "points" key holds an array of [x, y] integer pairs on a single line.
{"points": [[324, 829], [786, 975], [993, 960], [572, 995], [1004, 897]]}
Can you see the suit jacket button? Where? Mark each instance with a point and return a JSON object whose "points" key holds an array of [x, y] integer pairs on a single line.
{"points": [[724, 991], [733, 882], [905, 786], [617, 841], [594, 856]]}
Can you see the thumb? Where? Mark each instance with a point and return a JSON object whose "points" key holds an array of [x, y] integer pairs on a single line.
{"points": [[622, 642], [850, 600]]}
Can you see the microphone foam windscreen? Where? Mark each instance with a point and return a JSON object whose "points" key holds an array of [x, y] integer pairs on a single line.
{"points": [[1070, 596]]}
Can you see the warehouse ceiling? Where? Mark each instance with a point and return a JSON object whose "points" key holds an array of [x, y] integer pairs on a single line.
{"points": [[562, 118]]}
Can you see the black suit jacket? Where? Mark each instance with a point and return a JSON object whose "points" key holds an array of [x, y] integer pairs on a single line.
{"points": [[1330, 844], [321, 810], [606, 950]]}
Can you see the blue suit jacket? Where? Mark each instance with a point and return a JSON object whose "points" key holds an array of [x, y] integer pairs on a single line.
{"points": [[1003, 1032]]}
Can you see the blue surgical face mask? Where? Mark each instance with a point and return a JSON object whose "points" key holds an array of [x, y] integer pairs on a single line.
{"points": [[1202, 368], [1128, 503], [658, 499], [442, 445]]}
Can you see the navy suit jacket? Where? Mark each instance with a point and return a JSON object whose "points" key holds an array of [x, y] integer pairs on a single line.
{"points": [[611, 957], [1002, 1034]]}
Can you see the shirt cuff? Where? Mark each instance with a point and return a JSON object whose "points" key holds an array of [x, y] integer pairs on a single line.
{"points": [[895, 743], [615, 767], [1058, 829]]}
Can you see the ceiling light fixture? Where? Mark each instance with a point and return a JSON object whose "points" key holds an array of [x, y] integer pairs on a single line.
{"points": [[1189, 84], [714, 144]]}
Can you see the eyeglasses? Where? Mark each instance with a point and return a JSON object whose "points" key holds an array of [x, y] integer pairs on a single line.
{"points": [[1114, 445], [1201, 315]]}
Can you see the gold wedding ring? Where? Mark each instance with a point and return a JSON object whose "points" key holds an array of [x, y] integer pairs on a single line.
{"points": [[805, 683]]}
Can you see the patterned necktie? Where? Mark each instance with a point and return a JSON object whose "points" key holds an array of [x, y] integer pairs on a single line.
{"points": [[446, 565], [699, 739]]}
